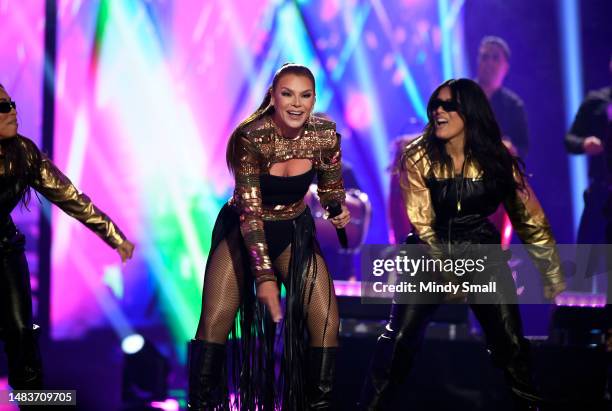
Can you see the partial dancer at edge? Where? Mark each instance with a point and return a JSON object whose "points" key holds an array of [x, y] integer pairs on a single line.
{"points": [[22, 167]]}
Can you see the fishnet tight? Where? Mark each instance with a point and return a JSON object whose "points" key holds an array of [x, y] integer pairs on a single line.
{"points": [[222, 294]]}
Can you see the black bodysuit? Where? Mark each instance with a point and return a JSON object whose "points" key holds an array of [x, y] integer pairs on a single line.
{"points": [[284, 191]]}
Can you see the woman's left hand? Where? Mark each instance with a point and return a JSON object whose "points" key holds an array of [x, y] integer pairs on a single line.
{"points": [[342, 219], [125, 250]]}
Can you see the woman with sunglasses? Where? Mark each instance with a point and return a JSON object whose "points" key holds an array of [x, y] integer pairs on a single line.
{"points": [[22, 167], [452, 178], [263, 237]]}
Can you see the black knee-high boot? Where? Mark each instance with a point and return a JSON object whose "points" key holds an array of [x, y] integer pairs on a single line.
{"points": [[24, 359], [394, 354], [519, 374], [391, 364], [321, 371], [379, 385], [510, 351], [206, 364]]}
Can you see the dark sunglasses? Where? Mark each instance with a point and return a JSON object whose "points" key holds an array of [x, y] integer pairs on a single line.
{"points": [[446, 105], [7, 106]]}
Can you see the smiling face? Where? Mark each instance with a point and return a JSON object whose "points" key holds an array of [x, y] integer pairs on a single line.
{"points": [[8, 121], [448, 124], [293, 99]]}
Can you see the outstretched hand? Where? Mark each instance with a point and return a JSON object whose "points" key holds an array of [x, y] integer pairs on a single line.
{"points": [[125, 250]]}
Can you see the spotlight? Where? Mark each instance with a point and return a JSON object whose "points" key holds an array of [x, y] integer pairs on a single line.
{"points": [[132, 343]]}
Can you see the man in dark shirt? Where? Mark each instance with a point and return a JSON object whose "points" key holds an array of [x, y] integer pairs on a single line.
{"points": [[591, 134], [493, 66]]}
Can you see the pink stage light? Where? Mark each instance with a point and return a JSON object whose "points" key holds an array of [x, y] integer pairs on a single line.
{"points": [[347, 288], [5, 387], [358, 113], [329, 10], [169, 404]]}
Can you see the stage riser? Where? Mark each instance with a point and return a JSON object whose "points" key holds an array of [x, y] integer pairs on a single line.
{"points": [[458, 375]]}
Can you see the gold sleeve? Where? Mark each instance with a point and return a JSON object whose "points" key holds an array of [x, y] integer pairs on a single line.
{"points": [[247, 198], [417, 200], [57, 188], [532, 227], [329, 175]]}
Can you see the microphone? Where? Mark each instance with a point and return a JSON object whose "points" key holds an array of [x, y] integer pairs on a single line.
{"points": [[334, 209]]}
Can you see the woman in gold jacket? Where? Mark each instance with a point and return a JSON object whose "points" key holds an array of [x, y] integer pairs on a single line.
{"points": [[452, 178], [23, 166], [265, 236]]}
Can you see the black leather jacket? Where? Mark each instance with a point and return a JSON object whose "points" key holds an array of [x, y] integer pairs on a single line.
{"points": [[444, 208]]}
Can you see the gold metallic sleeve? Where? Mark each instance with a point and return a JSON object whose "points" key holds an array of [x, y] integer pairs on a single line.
{"points": [[417, 199], [532, 227], [247, 198], [329, 174], [57, 188]]}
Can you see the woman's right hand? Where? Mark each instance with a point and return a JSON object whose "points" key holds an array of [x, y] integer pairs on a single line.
{"points": [[553, 290], [267, 293], [125, 250]]}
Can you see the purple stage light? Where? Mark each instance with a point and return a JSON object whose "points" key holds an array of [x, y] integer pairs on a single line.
{"points": [[578, 299]]}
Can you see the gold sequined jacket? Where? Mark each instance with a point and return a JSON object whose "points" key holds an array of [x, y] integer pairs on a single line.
{"points": [[49, 181], [444, 208], [261, 145]]}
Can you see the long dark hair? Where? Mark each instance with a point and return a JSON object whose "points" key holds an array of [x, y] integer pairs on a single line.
{"points": [[17, 166], [483, 138], [232, 156]]}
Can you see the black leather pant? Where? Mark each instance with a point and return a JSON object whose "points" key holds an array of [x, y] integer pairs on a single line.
{"points": [[500, 320], [16, 327]]}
